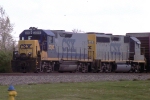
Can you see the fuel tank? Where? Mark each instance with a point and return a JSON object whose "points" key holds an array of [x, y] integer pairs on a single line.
{"points": [[68, 66], [123, 67]]}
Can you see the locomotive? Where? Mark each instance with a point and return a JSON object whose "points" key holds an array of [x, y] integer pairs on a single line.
{"points": [[42, 50]]}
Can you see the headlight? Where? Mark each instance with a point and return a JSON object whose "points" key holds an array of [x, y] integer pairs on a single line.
{"points": [[16, 54], [29, 54]]}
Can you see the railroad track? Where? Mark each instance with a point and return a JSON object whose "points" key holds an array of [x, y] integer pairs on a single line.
{"points": [[36, 78], [67, 73]]}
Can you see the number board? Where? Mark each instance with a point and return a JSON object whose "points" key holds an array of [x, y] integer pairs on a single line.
{"points": [[32, 32]]}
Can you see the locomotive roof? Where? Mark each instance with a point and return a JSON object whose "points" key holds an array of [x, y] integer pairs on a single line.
{"points": [[49, 32], [41, 31], [136, 40], [103, 35], [139, 34]]}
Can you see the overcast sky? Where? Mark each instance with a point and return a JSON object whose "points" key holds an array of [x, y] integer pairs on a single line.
{"points": [[108, 16]]}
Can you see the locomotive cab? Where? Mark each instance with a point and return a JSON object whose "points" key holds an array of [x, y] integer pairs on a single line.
{"points": [[136, 56], [31, 47]]}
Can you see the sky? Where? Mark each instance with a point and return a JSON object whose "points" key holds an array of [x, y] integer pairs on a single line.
{"points": [[108, 16]]}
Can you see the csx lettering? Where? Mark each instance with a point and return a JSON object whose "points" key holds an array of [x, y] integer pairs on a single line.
{"points": [[51, 47], [68, 45], [25, 46], [115, 48]]}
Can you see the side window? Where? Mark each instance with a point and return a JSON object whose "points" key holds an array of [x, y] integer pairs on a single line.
{"points": [[115, 38], [51, 39], [126, 39], [29, 37], [103, 39], [22, 38]]}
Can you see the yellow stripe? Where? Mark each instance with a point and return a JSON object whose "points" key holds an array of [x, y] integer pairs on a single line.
{"points": [[57, 59]]}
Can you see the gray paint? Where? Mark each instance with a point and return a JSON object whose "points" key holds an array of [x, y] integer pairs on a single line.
{"points": [[74, 47], [115, 50]]}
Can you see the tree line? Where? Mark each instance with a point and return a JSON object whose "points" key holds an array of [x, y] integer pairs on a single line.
{"points": [[6, 41]]}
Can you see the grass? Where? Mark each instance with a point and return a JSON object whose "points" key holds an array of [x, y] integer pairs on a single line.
{"points": [[118, 90]]}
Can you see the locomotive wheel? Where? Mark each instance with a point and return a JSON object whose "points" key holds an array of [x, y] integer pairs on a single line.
{"points": [[43, 68], [103, 69], [50, 67], [137, 69], [78, 68], [84, 68], [109, 67]]}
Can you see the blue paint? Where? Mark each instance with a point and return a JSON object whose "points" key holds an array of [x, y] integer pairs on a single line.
{"points": [[40, 32], [68, 45]]}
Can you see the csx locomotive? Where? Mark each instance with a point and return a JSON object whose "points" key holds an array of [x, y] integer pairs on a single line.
{"points": [[42, 50]]}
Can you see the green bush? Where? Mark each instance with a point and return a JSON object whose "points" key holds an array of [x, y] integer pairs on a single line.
{"points": [[5, 61]]}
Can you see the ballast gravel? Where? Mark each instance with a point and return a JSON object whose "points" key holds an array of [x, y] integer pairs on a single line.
{"points": [[69, 77]]}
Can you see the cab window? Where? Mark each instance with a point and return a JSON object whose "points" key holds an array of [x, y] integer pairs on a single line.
{"points": [[29, 37], [51, 39]]}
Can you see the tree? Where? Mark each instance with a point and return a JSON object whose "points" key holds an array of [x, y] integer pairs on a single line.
{"points": [[6, 42], [6, 28], [77, 31]]}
